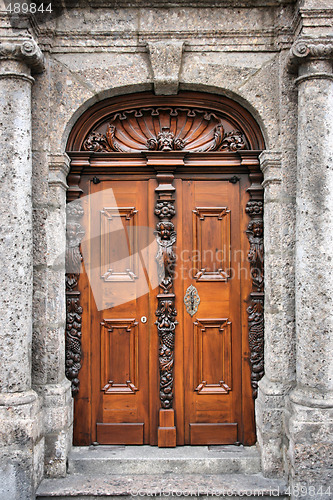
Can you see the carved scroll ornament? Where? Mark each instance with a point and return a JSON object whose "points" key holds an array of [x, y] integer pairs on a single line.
{"points": [[255, 310], [74, 235], [166, 312], [164, 129]]}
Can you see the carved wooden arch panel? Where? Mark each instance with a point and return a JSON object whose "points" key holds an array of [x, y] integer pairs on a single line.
{"points": [[197, 121], [164, 129], [189, 123]]}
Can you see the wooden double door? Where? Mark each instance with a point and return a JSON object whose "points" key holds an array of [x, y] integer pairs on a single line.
{"points": [[119, 399]]}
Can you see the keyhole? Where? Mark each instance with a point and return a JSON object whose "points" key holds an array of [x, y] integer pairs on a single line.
{"points": [[192, 300]]}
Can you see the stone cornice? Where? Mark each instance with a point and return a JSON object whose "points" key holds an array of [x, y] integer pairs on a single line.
{"points": [[26, 51], [306, 49], [179, 3]]}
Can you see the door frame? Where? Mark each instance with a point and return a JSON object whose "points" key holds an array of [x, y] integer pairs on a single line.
{"points": [[139, 165]]}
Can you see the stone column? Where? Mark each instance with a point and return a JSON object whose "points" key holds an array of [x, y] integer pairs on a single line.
{"points": [[279, 336], [310, 406], [21, 442], [50, 318]]}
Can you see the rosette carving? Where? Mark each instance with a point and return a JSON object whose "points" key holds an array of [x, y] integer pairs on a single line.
{"points": [[74, 235], [164, 129]]}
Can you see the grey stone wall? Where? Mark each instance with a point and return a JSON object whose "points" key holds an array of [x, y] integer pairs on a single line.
{"points": [[238, 49]]}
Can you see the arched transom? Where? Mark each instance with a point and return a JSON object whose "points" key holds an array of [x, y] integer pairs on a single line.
{"points": [[165, 129]]}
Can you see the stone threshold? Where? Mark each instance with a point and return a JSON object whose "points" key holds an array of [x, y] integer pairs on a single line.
{"points": [[107, 472], [152, 460], [85, 487]]}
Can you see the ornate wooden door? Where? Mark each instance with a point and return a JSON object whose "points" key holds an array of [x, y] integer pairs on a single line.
{"points": [[166, 290]]}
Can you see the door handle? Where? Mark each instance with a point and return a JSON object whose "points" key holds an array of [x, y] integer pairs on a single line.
{"points": [[191, 300]]}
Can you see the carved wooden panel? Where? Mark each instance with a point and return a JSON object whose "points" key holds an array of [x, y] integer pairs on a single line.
{"points": [[119, 355], [212, 355], [255, 233], [211, 243], [255, 310], [119, 256], [165, 129], [74, 235]]}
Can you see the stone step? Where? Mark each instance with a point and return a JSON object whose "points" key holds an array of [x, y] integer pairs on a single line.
{"points": [[128, 460], [110, 486]]}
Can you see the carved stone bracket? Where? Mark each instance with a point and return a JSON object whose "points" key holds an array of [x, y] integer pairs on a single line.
{"points": [[74, 235], [255, 310], [26, 51], [166, 312]]}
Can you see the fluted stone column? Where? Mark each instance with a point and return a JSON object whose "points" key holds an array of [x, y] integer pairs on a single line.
{"points": [[279, 336], [310, 421], [21, 442]]}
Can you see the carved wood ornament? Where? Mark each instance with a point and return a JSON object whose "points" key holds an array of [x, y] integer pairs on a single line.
{"points": [[166, 259], [74, 235], [164, 129], [255, 310]]}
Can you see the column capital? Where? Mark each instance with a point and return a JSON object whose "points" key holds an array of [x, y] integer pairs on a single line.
{"points": [[305, 50], [26, 51]]}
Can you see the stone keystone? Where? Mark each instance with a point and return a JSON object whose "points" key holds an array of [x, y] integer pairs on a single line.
{"points": [[166, 58]]}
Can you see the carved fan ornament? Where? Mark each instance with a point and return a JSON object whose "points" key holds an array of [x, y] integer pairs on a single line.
{"points": [[164, 129]]}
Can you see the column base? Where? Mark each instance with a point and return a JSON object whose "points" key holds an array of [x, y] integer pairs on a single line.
{"points": [[270, 408], [58, 425], [166, 430], [309, 425], [21, 445]]}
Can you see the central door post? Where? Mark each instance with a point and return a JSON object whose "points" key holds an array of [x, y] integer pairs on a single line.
{"points": [[165, 165]]}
